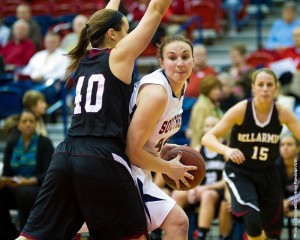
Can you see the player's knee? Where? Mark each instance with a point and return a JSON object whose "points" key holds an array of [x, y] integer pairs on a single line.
{"points": [[209, 196], [253, 224], [176, 222]]}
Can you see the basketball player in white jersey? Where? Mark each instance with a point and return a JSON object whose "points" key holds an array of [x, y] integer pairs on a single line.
{"points": [[156, 108]]}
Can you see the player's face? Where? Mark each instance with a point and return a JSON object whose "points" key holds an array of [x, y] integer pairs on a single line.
{"points": [[288, 147], [265, 87], [177, 61]]}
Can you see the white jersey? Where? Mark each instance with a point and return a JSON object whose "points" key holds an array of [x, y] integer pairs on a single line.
{"points": [[156, 202], [170, 121]]}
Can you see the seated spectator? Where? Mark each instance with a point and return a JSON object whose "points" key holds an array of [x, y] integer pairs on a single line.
{"points": [[206, 105], [23, 11], [201, 70], [209, 195], [36, 103], [288, 164], [176, 15], [232, 9], [228, 99], [288, 68], [48, 63], [70, 40], [18, 51], [137, 9], [4, 33], [240, 71], [294, 51], [26, 160], [280, 34]]}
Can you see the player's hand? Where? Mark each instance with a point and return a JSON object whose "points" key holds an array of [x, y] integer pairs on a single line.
{"points": [[166, 148], [235, 155], [179, 172]]}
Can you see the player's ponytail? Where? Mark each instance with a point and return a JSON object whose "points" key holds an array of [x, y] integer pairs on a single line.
{"points": [[76, 53]]}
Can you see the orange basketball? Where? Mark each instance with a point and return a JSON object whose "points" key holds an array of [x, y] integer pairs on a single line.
{"points": [[190, 156]]}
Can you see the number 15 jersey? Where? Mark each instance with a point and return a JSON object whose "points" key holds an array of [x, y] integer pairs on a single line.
{"points": [[259, 142]]}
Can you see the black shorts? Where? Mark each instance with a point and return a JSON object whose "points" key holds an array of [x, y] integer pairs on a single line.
{"points": [[86, 182], [256, 190]]}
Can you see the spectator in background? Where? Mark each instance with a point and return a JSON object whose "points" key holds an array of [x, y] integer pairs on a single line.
{"points": [[210, 193], [176, 15], [20, 48], [4, 33], [294, 50], [288, 163], [206, 105], [23, 11], [26, 159], [280, 35], [228, 99], [232, 9], [136, 11], [48, 63], [35, 102], [201, 70], [288, 68], [240, 71], [70, 40]]}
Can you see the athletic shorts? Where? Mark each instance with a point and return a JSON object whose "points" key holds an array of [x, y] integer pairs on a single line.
{"points": [[88, 180], [256, 190], [157, 203]]}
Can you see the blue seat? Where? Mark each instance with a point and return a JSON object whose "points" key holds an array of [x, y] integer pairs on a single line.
{"points": [[10, 101]]}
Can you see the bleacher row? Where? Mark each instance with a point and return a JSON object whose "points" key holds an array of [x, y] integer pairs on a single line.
{"points": [[50, 12]]}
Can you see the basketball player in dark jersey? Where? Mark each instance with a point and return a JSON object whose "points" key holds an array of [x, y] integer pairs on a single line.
{"points": [[89, 178], [250, 171]]}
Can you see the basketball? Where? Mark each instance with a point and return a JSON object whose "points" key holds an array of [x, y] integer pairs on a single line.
{"points": [[190, 156]]}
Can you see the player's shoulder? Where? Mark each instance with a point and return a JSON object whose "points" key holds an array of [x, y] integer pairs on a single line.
{"points": [[239, 108], [284, 113], [236, 113]]}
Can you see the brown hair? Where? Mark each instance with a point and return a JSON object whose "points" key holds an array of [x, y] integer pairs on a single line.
{"points": [[31, 98], [266, 70], [93, 33], [209, 83], [240, 48], [169, 39]]}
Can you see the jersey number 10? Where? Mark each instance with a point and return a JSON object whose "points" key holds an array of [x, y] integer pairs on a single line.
{"points": [[96, 79]]}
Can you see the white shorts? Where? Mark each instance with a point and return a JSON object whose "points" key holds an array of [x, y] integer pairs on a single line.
{"points": [[156, 202]]}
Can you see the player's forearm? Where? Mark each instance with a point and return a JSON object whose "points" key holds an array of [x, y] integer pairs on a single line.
{"points": [[147, 161], [210, 141], [113, 4], [158, 6]]}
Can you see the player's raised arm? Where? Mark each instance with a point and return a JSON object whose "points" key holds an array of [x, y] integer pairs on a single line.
{"points": [[113, 4], [131, 46]]}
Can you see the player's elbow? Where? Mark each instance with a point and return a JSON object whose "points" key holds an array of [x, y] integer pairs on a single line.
{"points": [[205, 140], [132, 153]]}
